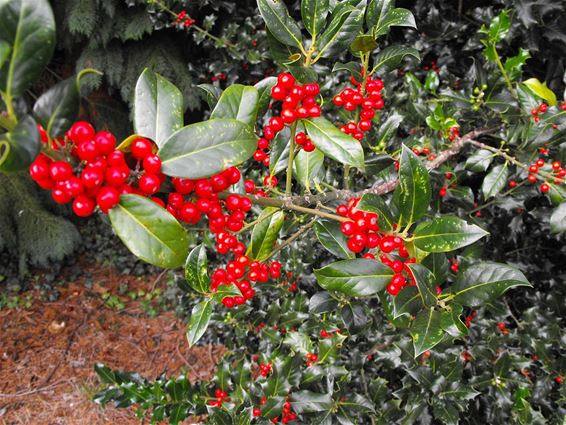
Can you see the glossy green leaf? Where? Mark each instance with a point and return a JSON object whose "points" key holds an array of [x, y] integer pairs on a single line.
{"points": [[484, 282], [445, 234], [4, 52], [413, 193], [356, 278], [263, 88], [541, 90], [437, 263], [334, 143], [238, 102], [451, 323], [299, 342], [279, 22], [279, 155], [149, 231], [558, 219], [196, 269], [495, 181], [213, 93], [28, 27], [426, 284], [514, 65], [314, 13], [391, 56], [479, 161], [331, 237], [307, 402], [426, 330], [408, 302], [377, 11], [200, 318], [158, 107], [265, 233], [329, 348], [207, 148], [352, 68], [345, 25], [396, 17], [371, 202], [19, 147], [309, 167], [57, 109], [322, 302]]}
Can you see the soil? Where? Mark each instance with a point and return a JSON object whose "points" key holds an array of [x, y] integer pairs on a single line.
{"points": [[48, 352]]}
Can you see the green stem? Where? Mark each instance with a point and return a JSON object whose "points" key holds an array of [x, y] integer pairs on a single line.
{"points": [[7, 123], [289, 182], [504, 73], [86, 71]]}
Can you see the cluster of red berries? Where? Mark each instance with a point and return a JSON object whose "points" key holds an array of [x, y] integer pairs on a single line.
{"points": [[265, 369], [559, 174], [363, 232], [503, 328], [184, 19], [94, 172], [367, 97], [242, 272], [287, 414], [469, 318], [311, 359], [424, 151], [453, 133], [304, 142], [541, 109], [298, 102], [455, 266], [220, 397]]}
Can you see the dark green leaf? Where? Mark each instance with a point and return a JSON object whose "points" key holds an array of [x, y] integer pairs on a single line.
{"points": [[19, 147], [426, 330], [314, 14], [207, 148], [558, 219], [307, 402], [391, 56], [322, 302], [149, 231], [264, 90], [363, 43], [200, 317], [329, 348], [158, 107], [309, 167], [299, 342], [495, 181], [408, 301], [28, 27], [213, 93], [279, 155], [353, 68], [425, 284], [445, 234], [484, 282], [196, 269], [413, 193], [396, 17], [345, 25], [57, 109], [280, 24], [479, 161], [331, 237], [358, 403], [371, 202], [335, 144], [265, 233], [238, 102], [377, 11], [451, 322], [354, 317], [437, 263], [355, 278]]}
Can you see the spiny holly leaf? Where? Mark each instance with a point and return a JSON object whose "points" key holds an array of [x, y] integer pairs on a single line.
{"points": [[426, 330], [355, 278], [149, 231], [314, 14], [331, 237], [484, 282], [238, 102], [445, 234], [408, 302], [200, 317], [371, 202], [345, 24], [329, 348], [426, 284], [413, 193], [307, 402], [495, 181], [299, 342], [196, 269], [265, 233], [158, 107], [391, 56], [206, 148], [451, 322]]}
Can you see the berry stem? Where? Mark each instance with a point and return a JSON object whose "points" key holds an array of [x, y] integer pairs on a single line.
{"points": [[302, 230], [289, 182]]}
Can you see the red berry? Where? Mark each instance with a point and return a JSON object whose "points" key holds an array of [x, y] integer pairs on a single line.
{"points": [[141, 148], [81, 131], [512, 184], [149, 184], [544, 188], [107, 198], [116, 159], [115, 176], [39, 169], [288, 116], [83, 206], [286, 80], [61, 196], [152, 164], [105, 142], [60, 170], [257, 412], [278, 92]]}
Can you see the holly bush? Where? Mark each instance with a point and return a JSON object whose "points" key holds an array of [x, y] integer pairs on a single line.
{"points": [[348, 229]]}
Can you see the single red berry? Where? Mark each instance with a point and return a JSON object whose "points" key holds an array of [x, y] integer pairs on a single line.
{"points": [[257, 412], [107, 198], [152, 164], [105, 142], [60, 170], [442, 192], [83, 206], [141, 148], [501, 325], [512, 184], [61, 196], [286, 80], [39, 169], [81, 131], [544, 188]]}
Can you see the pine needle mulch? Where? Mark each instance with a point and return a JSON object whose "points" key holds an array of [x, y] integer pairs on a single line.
{"points": [[48, 352]]}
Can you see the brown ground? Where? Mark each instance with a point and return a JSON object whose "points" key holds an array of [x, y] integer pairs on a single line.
{"points": [[47, 353]]}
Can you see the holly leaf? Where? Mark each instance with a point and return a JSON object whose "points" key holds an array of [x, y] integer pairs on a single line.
{"points": [[558, 219], [426, 330], [200, 318], [158, 107], [265, 233], [57, 109], [541, 90], [331, 237], [196, 269], [206, 148], [395, 17], [314, 13], [371, 202], [484, 282], [426, 284], [238, 102], [356, 278], [391, 56], [149, 231], [445, 234], [495, 181], [345, 24], [280, 24], [309, 167], [479, 161], [309, 402], [19, 147]]}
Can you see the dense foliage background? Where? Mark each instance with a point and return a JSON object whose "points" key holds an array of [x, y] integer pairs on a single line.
{"points": [[495, 375]]}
